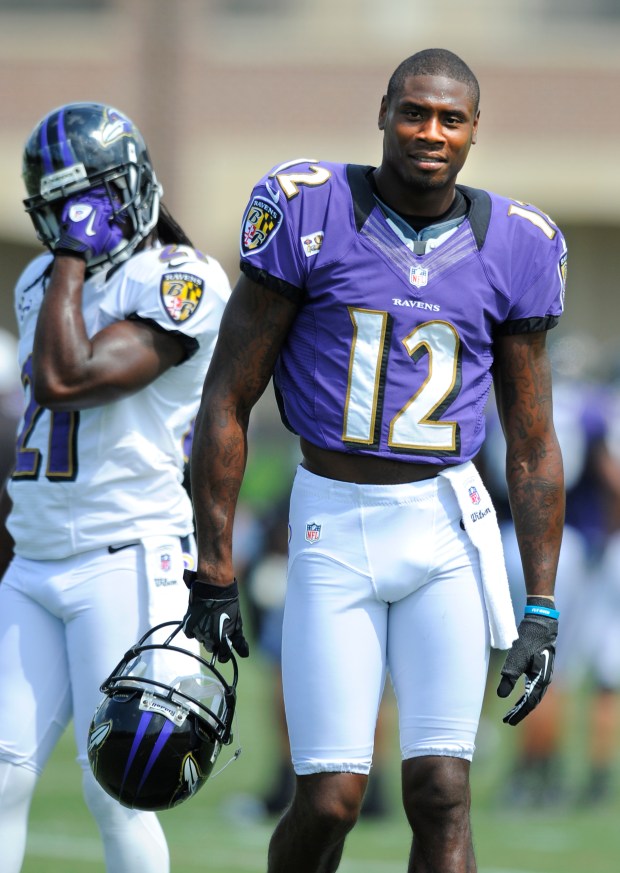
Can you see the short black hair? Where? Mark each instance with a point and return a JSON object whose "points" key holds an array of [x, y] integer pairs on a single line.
{"points": [[434, 62]]}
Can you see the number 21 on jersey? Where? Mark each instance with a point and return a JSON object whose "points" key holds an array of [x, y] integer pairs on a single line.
{"points": [[62, 440]]}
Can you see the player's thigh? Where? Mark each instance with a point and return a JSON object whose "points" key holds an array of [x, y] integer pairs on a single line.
{"points": [[35, 701], [333, 659], [438, 655], [119, 598]]}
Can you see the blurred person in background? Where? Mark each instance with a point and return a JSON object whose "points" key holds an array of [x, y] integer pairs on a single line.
{"points": [[539, 773], [603, 640], [385, 302], [117, 324], [265, 584]]}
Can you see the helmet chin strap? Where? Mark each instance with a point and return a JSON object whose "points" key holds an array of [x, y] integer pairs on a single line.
{"points": [[235, 754], [232, 758]]}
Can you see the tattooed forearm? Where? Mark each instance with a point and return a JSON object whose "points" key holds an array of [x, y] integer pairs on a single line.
{"points": [[533, 460], [218, 463], [537, 503]]}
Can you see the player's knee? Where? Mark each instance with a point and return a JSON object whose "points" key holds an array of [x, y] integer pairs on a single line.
{"points": [[332, 801], [103, 808], [17, 785], [436, 790], [132, 840], [110, 815]]}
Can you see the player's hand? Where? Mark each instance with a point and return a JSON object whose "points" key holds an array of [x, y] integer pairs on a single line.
{"points": [[213, 617], [532, 655], [87, 226]]}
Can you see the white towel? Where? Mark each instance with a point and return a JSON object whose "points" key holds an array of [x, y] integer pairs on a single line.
{"points": [[480, 523]]}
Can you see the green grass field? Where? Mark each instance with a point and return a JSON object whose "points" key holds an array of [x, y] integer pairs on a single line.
{"points": [[213, 832]]}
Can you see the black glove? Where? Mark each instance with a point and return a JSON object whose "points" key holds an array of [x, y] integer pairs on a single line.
{"points": [[213, 617], [532, 654]]}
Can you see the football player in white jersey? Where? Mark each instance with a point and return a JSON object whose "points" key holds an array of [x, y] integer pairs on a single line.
{"points": [[117, 325]]}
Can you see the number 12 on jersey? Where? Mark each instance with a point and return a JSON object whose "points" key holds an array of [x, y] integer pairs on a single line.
{"points": [[418, 426]]}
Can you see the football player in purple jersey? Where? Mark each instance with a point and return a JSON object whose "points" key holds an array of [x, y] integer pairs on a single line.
{"points": [[385, 302]]}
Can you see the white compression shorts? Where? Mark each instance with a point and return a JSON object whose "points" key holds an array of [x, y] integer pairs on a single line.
{"points": [[64, 625], [381, 578]]}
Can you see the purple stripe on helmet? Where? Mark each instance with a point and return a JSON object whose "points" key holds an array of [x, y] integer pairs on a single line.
{"points": [[67, 152], [160, 743], [47, 162], [142, 727]]}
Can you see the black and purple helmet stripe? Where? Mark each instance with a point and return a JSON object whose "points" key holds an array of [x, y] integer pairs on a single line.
{"points": [[56, 150], [164, 734]]}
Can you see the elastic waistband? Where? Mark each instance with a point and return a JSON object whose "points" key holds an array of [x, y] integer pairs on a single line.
{"points": [[364, 494]]}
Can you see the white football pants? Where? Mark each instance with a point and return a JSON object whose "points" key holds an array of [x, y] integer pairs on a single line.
{"points": [[381, 577], [64, 625]]}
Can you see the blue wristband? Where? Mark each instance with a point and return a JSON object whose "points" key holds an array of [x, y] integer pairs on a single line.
{"points": [[542, 610]]}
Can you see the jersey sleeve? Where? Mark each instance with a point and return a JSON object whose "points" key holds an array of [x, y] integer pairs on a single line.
{"points": [[538, 272], [283, 226], [29, 287], [175, 289]]}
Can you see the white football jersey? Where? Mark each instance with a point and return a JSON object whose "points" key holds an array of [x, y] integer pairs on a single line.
{"points": [[113, 474]]}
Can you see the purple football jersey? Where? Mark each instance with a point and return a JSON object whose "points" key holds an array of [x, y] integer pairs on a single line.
{"points": [[391, 351]]}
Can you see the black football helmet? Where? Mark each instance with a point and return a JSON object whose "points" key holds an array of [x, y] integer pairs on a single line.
{"points": [[87, 145], [157, 733]]}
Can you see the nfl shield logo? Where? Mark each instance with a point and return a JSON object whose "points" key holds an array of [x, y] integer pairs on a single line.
{"points": [[313, 532], [165, 562], [418, 276], [473, 494]]}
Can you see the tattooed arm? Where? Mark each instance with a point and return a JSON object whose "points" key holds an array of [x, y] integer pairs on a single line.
{"points": [[536, 489], [255, 324], [534, 470]]}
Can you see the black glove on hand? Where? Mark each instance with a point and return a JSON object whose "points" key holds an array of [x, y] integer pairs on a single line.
{"points": [[532, 654], [213, 617]]}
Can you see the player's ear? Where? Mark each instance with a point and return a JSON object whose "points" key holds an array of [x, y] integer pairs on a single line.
{"points": [[474, 135], [382, 112]]}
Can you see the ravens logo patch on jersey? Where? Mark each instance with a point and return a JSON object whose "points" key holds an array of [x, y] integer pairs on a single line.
{"points": [[260, 225], [181, 294]]}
